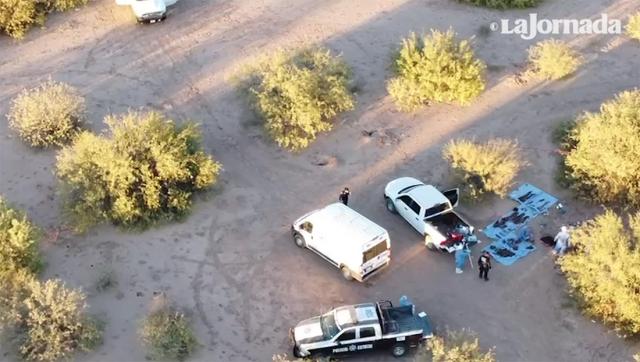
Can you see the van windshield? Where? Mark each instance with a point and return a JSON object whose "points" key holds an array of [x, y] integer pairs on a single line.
{"points": [[378, 249]]}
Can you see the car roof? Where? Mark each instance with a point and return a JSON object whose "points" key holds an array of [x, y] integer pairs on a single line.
{"points": [[356, 315], [426, 195]]}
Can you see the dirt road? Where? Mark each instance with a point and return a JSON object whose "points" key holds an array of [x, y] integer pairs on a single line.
{"points": [[232, 263]]}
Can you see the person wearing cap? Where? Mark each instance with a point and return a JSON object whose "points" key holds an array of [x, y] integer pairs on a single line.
{"points": [[344, 196], [562, 241]]}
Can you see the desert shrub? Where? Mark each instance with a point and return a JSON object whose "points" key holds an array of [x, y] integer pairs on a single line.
{"points": [[484, 167], [18, 240], [298, 95], [48, 319], [17, 16], [144, 169], [504, 4], [50, 114], [604, 271], [553, 59], [167, 334], [633, 26], [603, 161], [13, 291], [460, 346], [435, 68]]}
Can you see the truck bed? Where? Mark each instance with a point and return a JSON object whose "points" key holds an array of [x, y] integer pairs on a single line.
{"points": [[398, 320], [447, 222]]}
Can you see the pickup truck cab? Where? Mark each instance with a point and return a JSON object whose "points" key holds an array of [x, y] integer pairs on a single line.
{"points": [[354, 244], [429, 211], [361, 327], [149, 11]]}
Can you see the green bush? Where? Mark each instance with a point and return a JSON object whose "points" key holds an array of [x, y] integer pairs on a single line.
{"points": [[602, 164], [17, 16], [18, 241], [553, 59], [504, 4], [604, 270], [298, 95], [146, 169], [435, 68], [168, 335], [460, 346], [50, 114], [633, 27], [484, 167], [48, 319]]}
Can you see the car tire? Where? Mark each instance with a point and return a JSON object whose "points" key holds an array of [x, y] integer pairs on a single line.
{"points": [[299, 240], [390, 205], [399, 350], [346, 273]]}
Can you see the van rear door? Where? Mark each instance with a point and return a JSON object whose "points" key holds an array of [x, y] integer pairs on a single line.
{"points": [[376, 255]]}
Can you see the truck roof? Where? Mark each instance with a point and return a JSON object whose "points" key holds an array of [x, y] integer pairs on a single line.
{"points": [[341, 220], [426, 195]]}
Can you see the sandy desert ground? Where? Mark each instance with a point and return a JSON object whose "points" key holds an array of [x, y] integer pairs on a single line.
{"points": [[232, 264]]}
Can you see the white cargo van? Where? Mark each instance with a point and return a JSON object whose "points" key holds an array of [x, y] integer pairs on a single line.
{"points": [[351, 242], [148, 11]]}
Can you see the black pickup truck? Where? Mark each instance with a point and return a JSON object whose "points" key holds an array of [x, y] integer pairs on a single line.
{"points": [[361, 327]]}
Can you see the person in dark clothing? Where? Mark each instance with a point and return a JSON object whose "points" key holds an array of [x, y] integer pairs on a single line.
{"points": [[344, 196], [484, 264]]}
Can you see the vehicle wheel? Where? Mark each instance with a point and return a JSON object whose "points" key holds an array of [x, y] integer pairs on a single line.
{"points": [[429, 244], [295, 353], [346, 273], [299, 240], [399, 350], [390, 205]]}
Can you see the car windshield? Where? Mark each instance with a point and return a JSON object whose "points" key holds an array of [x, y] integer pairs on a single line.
{"points": [[329, 326]]}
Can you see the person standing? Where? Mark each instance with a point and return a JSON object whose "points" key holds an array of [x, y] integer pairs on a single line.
{"points": [[484, 264], [562, 241], [344, 196]]}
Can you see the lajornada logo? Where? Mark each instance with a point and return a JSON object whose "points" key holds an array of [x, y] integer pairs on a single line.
{"points": [[529, 28]]}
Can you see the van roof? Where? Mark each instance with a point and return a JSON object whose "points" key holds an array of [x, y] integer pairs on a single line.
{"points": [[341, 220]]}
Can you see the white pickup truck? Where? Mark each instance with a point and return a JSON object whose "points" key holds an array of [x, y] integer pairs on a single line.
{"points": [[361, 327], [430, 212], [354, 244], [148, 11]]}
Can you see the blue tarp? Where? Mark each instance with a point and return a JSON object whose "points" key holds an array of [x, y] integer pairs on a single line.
{"points": [[508, 231], [534, 198]]}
